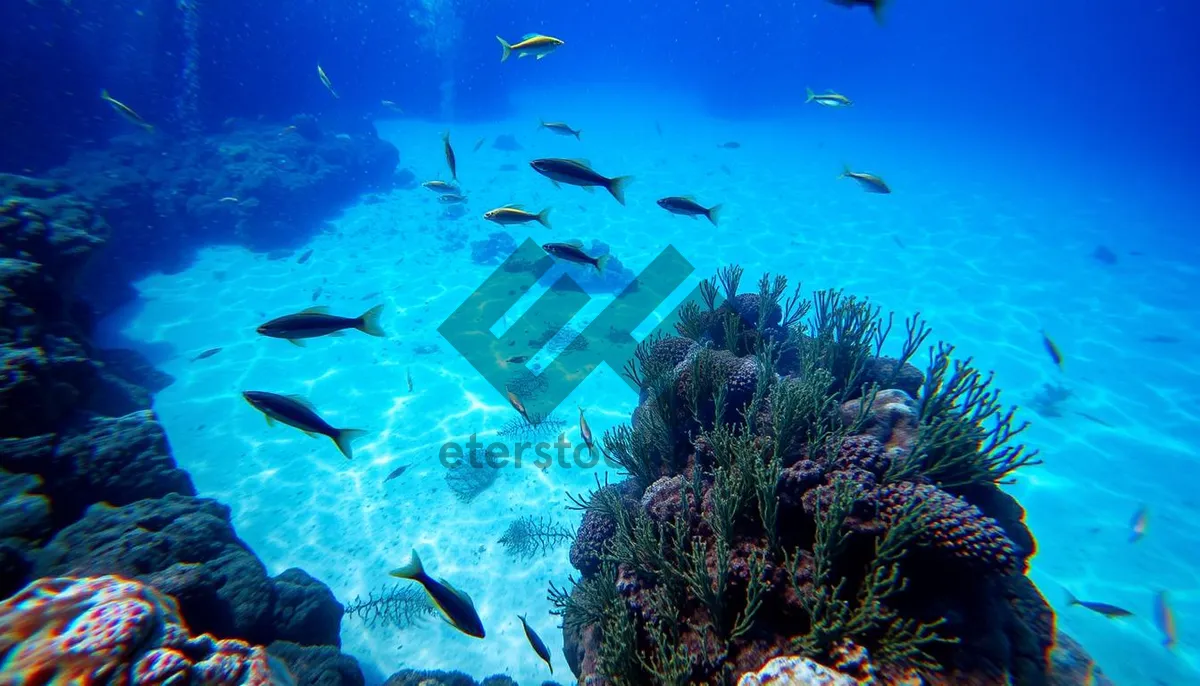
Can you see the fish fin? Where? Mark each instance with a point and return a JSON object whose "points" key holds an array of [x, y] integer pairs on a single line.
{"points": [[446, 140], [588, 189], [343, 437], [315, 309], [463, 595], [522, 618], [302, 401], [541, 123], [689, 197], [846, 172], [556, 184], [335, 334], [692, 217], [298, 342], [601, 261], [577, 132], [507, 48], [512, 206], [104, 95], [543, 218], [714, 213], [581, 160], [368, 323], [270, 421], [616, 186], [811, 95], [413, 570], [524, 54], [1071, 599], [311, 434], [528, 36], [542, 54], [575, 242]]}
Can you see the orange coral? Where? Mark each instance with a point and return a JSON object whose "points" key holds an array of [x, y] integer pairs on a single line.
{"points": [[109, 630]]}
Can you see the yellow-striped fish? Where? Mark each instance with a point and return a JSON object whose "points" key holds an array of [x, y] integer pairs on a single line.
{"points": [[326, 82], [513, 214], [530, 44], [829, 99], [125, 111], [869, 182]]}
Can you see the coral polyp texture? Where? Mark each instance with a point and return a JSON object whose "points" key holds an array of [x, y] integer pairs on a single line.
{"points": [[794, 493], [109, 630]]}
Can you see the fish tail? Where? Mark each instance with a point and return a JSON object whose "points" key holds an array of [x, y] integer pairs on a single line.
{"points": [[446, 139], [714, 213], [602, 260], [543, 218], [577, 132], [506, 47], [617, 185], [413, 570], [846, 171], [104, 94], [368, 323], [342, 438], [877, 10], [1071, 599], [811, 95]]}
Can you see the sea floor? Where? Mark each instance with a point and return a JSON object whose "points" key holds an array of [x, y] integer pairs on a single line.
{"points": [[990, 253]]}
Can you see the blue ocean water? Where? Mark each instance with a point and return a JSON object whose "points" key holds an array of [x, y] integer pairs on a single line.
{"points": [[1040, 165]]}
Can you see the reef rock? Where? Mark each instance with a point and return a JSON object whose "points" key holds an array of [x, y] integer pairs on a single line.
{"points": [[256, 185], [318, 665], [795, 671], [187, 548]]}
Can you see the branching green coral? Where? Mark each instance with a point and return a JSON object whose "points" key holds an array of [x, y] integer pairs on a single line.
{"points": [[617, 660], [669, 661], [640, 454], [953, 448], [585, 603], [833, 617]]}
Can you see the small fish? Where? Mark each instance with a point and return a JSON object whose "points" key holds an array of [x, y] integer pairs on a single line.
{"points": [[206, 354], [731, 145], [408, 375], [1104, 256], [452, 199], [299, 413], [530, 44], [536, 642], [869, 182], [455, 605], [899, 242], [316, 321], [395, 473], [687, 206], [876, 6], [513, 214], [518, 359], [441, 187], [317, 293], [1137, 526], [478, 145], [579, 172], [370, 296], [228, 198], [573, 252], [1110, 611], [1160, 338], [391, 106], [125, 111], [325, 81], [1164, 619], [1095, 420], [829, 99], [288, 129], [586, 432], [560, 128], [517, 405], [304, 258], [450, 156], [1052, 349], [726, 169]]}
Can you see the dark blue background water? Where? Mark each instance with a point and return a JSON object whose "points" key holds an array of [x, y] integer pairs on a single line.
{"points": [[1080, 74]]}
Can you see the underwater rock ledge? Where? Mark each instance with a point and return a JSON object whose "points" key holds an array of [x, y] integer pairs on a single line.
{"points": [[793, 492]]}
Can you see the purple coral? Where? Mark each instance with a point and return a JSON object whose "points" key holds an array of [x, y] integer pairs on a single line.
{"points": [[862, 452], [952, 525]]}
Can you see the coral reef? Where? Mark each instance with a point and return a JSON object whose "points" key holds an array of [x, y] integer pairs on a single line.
{"points": [[112, 630], [793, 492], [467, 480], [186, 547], [256, 185]]}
